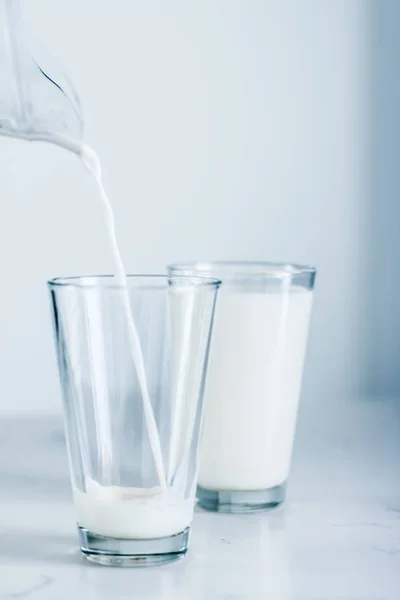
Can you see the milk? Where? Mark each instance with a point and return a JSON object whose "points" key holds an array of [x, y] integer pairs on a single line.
{"points": [[253, 387], [131, 513], [120, 512], [92, 163]]}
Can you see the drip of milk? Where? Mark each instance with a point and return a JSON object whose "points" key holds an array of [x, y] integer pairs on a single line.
{"points": [[92, 163], [253, 387]]}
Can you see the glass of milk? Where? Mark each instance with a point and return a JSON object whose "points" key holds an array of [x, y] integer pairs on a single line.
{"points": [[253, 381], [132, 362]]}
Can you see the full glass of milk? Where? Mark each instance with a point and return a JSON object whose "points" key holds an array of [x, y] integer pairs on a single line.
{"points": [[253, 381], [132, 362]]}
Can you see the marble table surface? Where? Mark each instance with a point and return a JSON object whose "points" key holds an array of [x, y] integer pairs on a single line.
{"points": [[337, 536]]}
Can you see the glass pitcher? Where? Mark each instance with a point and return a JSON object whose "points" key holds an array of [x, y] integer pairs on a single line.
{"points": [[37, 101]]}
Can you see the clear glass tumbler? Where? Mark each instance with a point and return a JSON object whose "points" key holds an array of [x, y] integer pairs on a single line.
{"points": [[132, 363], [253, 381]]}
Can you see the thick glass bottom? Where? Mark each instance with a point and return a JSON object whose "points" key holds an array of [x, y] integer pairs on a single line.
{"points": [[114, 552], [226, 501]]}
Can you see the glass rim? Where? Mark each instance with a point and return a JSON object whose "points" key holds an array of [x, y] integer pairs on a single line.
{"points": [[243, 268], [108, 281]]}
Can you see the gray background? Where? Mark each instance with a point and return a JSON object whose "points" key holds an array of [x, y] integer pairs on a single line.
{"points": [[228, 129]]}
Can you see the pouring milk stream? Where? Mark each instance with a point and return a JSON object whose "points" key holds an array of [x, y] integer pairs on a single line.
{"points": [[131, 512]]}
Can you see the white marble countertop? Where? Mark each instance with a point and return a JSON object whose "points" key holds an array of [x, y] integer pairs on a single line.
{"points": [[337, 537]]}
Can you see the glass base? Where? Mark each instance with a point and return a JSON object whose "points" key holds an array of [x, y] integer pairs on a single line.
{"points": [[114, 552], [226, 501]]}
